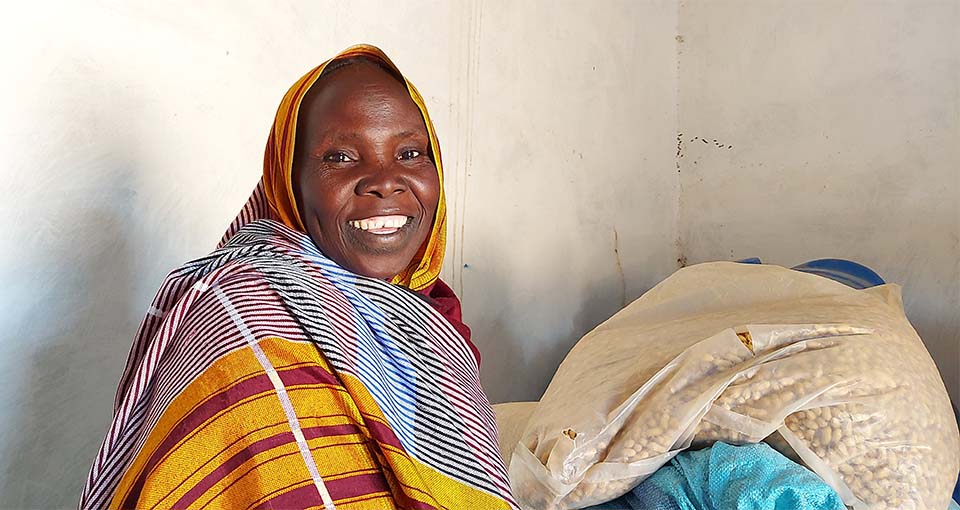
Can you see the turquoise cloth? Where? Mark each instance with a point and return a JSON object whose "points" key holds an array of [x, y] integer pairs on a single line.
{"points": [[725, 477]]}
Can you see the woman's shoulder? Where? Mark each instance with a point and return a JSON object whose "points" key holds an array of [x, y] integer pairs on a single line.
{"points": [[258, 244], [266, 235]]}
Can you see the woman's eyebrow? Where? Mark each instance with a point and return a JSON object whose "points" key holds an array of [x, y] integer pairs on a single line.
{"points": [[339, 136], [408, 134]]}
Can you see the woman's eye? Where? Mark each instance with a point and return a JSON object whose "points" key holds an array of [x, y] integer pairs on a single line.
{"points": [[337, 157], [409, 154]]}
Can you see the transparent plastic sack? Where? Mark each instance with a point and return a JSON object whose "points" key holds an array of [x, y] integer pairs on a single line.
{"points": [[512, 419], [832, 376]]}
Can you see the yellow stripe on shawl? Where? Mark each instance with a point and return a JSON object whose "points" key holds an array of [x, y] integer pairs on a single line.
{"points": [[244, 422], [278, 169], [259, 416]]}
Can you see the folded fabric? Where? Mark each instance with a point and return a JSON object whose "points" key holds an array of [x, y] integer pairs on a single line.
{"points": [[725, 477]]}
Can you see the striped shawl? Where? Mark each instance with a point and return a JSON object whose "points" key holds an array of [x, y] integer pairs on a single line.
{"points": [[265, 376]]}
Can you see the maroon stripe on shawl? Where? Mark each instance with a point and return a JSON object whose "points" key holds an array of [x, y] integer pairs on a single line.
{"points": [[277, 458], [349, 487], [302, 497], [383, 433], [197, 419], [318, 500], [417, 504], [310, 374], [253, 449], [330, 431], [357, 485], [241, 438]]}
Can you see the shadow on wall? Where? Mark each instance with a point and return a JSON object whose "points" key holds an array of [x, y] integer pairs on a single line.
{"points": [[73, 311], [526, 335], [503, 364], [77, 339]]}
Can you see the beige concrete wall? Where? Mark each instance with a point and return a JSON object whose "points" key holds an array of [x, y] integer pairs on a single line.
{"points": [[564, 193], [844, 119]]}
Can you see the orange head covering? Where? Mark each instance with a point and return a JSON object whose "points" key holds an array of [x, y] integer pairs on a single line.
{"points": [[424, 269]]}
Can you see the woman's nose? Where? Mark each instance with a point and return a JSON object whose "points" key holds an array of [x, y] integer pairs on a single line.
{"points": [[383, 180]]}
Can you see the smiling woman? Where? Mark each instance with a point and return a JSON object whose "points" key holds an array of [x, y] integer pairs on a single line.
{"points": [[315, 360], [363, 173]]}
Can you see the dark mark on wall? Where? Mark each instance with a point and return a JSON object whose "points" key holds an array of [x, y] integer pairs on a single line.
{"points": [[680, 147], [716, 142], [679, 150]]}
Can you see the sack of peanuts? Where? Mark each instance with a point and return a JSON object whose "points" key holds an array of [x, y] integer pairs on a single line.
{"points": [[832, 376], [512, 418]]}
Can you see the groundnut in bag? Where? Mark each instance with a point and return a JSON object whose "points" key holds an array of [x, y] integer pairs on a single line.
{"points": [[833, 376]]}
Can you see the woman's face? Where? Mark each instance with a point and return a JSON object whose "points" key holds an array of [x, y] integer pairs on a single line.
{"points": [[366, 188]]}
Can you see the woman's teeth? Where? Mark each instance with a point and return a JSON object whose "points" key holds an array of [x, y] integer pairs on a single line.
{"points": [[380, 224]]}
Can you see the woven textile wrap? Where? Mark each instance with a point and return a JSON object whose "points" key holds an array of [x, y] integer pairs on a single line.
{"points": [[264, 376]]}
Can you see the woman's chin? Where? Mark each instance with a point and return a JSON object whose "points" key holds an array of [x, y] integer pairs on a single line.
{"points": [[383, 241], [380, 254], [378, 269]]}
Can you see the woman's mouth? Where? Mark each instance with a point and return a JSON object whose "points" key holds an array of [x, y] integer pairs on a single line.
{"points": [[381, 225]]}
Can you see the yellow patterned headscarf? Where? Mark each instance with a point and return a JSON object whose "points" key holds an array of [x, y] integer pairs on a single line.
{"points": [[424, 269]]}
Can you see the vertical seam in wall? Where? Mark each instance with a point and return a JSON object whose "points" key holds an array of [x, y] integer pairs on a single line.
{"points": [[466, 81], [454, 139], [473, 89], [681, 259], [459, 44]]}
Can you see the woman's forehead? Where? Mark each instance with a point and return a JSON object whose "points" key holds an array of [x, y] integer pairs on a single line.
{"points": [[358, 76], [360, 60], [359, 94]]}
